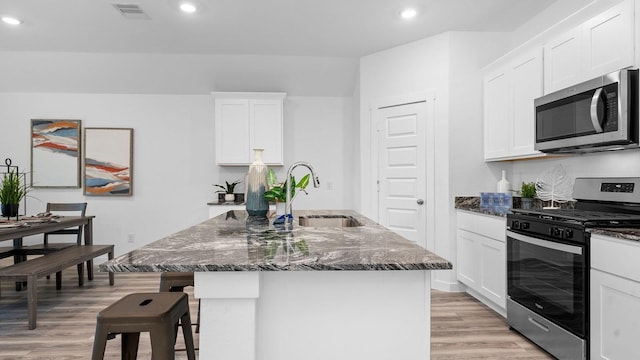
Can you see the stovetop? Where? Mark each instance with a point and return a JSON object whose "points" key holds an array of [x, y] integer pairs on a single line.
{"points": [[587, 218]]}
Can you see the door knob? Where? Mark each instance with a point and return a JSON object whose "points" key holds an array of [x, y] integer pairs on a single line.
{"points": [[420, 201]]}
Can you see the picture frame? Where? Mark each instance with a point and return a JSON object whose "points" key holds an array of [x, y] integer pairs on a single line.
{"points": [[108, 161], [55, 153]]}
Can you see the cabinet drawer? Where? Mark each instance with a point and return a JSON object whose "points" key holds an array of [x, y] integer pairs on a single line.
{"points": [[466, 221], [486, 225], [493, 227], [616, 256]]}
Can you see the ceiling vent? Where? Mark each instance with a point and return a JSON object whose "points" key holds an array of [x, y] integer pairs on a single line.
{"points": [[131, 11]]}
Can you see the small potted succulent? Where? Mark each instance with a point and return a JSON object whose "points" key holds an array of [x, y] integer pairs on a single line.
{"points": [[228, 190], [527, 193]]}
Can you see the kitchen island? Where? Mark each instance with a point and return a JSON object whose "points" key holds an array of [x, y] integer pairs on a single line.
{"points": [[302, 292]]}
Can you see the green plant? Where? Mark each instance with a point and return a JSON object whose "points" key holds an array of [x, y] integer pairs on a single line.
{"points": [[278, 191], [528, 190], [12, 190], [228, 189]]}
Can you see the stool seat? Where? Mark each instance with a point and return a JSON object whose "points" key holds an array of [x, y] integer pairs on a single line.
{"points": [[156, 313], [175, 281]]}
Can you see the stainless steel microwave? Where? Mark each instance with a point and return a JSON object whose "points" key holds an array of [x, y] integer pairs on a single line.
{"points": [[596, 115]]}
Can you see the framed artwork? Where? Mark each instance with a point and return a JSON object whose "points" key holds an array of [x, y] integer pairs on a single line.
{"points": [[55, 153], [108, 161]]}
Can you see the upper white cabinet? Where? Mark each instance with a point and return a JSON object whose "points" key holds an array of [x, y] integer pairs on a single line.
{"points": [[602, 44], [247, 121], [615, 298], [481, 260], [509, 117]]}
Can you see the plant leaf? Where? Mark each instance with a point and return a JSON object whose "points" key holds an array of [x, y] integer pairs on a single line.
{"points": [[303, 182], [272, 178]]}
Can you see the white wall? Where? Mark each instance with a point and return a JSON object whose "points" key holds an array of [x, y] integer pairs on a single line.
{"points": [[174, 159], [625, 163], [175, 74]]}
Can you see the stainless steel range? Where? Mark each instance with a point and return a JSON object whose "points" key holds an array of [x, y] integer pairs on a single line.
{"points": [[548, 263]]}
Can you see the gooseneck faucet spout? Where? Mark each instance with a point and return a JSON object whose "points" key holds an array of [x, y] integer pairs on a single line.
{"points": [[316, 183]]}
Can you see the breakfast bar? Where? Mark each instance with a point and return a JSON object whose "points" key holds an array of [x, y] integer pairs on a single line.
{"points": [[332, 285]]}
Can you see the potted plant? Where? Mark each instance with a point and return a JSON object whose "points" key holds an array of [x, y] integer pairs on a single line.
{"points": [[11, 193], [228, 190], [278, 190], [527, 193]]}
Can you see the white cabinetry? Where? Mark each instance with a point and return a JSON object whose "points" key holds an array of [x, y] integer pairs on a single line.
{"points": [[247, 121], [602, 44], [481, 262], [615, 298], [509, 118]]}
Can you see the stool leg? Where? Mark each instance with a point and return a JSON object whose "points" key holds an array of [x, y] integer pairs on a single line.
{"points": [[162, 342], [130, 343], [99, 343], [188, 335]]}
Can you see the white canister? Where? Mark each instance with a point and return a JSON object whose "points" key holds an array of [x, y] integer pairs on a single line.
{"points": [[503, 184]]}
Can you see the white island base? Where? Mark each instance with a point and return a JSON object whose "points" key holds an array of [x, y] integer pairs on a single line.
{"points": [[314, 315]]}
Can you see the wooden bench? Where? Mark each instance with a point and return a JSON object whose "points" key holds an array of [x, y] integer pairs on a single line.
{"points": [[55, 262]]}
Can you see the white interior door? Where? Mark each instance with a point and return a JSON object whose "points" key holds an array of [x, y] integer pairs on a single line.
{"points": [[402, 169]]}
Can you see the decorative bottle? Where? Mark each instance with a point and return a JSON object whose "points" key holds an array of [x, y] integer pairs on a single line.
{"points": [[256, 186], [503, 185]]}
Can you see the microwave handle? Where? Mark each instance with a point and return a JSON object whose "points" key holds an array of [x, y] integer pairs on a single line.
{"points": [[594, 111]]}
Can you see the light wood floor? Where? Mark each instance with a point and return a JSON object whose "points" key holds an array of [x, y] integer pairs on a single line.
{"points": [[462, 328]]}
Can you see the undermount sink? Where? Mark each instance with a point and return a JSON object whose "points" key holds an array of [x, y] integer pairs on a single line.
{"points": [[332, 221]]}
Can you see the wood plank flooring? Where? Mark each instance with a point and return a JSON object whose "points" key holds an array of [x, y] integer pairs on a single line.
{"points": [[462, 328]]}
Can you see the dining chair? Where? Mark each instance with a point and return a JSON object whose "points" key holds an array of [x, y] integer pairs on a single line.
{"points": [[76, 209], [69, 209]]}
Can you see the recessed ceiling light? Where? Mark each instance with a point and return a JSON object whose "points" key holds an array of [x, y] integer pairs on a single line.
{"points": [[408, 13], [188, 8], [11, 21]]}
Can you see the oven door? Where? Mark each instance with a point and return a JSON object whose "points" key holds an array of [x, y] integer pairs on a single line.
{"points": [[549, 278]]}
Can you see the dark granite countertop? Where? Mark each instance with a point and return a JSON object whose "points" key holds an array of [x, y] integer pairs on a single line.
{"points": [[620, 233], [232, 242], [472, 203]]}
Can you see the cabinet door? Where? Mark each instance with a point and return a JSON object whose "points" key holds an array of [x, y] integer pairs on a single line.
{"points": [[232, 131], [608, 40], [468, 258], [525, 87], [615, 317], [267, 129], [562, 61], [493, 277], [496, 115]]}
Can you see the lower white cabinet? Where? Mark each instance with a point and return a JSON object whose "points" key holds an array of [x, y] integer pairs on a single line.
{"points": [[481, 260], [615, 298]]}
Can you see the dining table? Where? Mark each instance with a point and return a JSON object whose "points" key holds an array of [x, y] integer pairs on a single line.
{"points": [[16, 230]]}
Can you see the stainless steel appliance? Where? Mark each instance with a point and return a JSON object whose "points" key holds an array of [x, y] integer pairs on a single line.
{"points": [[548, 263], [599, 114]]}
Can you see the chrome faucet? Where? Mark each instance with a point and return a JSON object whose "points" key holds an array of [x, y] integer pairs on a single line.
{"points": [[316, 183]]}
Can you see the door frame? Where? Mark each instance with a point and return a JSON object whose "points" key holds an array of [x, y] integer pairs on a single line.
{"points": [[429, 98]]}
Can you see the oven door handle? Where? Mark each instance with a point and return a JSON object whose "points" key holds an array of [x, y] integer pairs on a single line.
{"points": [[546, 244]]}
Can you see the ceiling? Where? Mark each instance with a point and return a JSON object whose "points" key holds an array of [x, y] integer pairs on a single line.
{"points": [[322, 28]]}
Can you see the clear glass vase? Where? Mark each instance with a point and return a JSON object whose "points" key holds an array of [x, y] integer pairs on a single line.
{"points": [[256, 186]]}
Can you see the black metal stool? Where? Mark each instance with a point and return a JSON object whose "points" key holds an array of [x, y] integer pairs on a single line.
{"points": [[156, 313], [176, 282]]}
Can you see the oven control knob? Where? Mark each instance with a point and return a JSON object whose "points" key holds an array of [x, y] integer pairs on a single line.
{"points": [[557, 232], [524, 225], [515, 224], [568, 233]]}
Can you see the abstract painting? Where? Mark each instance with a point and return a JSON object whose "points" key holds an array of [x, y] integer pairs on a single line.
{"points": [[108, 161], [55, 153]]}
